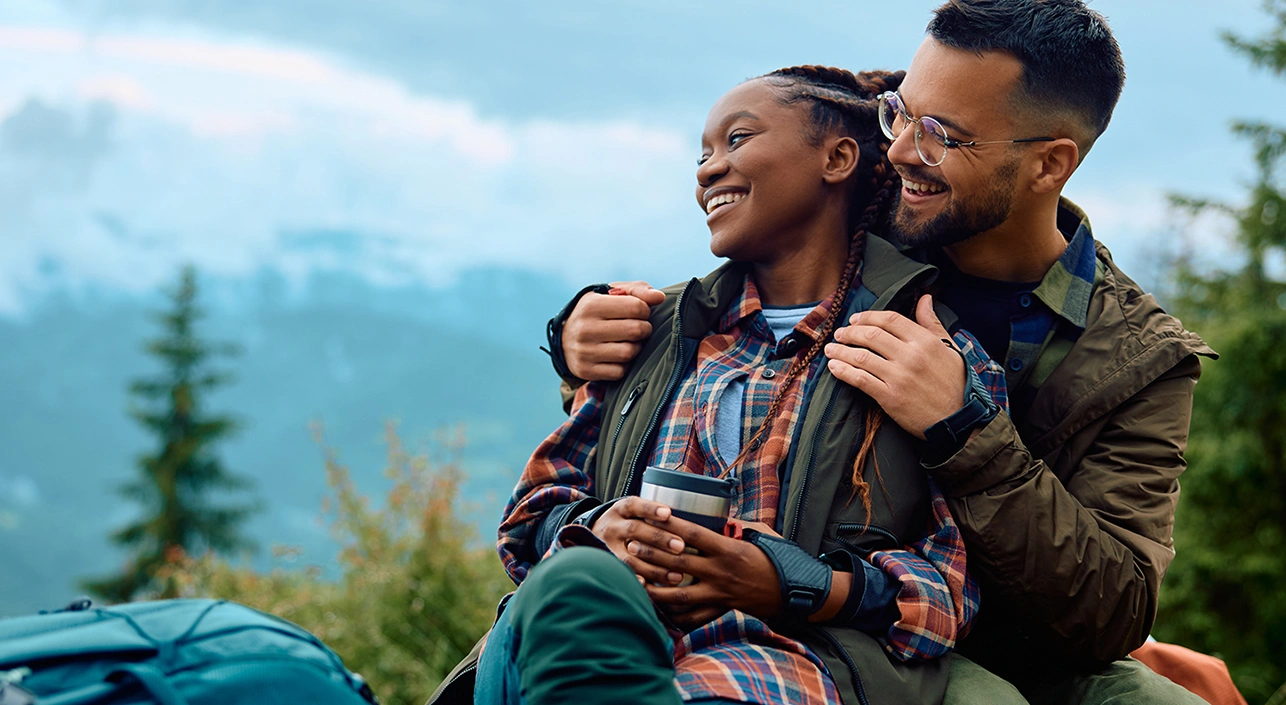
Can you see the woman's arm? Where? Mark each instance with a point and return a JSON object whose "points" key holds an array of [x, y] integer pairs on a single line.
{"points": [[554, 477]]}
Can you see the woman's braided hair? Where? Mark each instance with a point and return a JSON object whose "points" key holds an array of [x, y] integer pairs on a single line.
{"points": [[844, 102]]}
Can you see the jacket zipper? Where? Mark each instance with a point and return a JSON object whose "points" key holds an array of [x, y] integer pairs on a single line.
{"points": [[679, 364], [625, 410], [848, 661], [808, 469], [467, 670], [866, 527]]}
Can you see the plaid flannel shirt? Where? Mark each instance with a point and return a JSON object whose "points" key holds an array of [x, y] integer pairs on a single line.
{"points": [[738, 656]]}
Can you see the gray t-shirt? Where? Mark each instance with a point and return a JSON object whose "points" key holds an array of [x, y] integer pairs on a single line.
{"points": [[728, 413]]}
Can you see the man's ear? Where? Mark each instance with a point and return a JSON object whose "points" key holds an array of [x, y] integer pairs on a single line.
{"points": [[1058, 160], [842, 156]]}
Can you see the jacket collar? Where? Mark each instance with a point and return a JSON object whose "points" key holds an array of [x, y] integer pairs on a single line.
{"points": [[891, 276], [1067, 286]]}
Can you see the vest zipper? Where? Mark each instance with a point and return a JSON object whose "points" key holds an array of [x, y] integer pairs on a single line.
{"points": [[625, 410], [848, 661], [808, 468], [868, 527], [679, 364]]}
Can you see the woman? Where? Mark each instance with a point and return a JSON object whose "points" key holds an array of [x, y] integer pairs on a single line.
{"points": [[851, 558]]}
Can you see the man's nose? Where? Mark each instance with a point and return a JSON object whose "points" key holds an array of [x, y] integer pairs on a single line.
{"points": [[903, 150]]}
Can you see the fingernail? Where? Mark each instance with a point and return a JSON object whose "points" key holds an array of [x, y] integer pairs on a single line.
{"points": [[641, 580], [615, 291], [676, 545], [662, 512], [675, 577], [832, 365], [633, 549]]}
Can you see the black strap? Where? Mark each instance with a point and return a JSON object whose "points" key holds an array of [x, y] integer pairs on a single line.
{"points": [[554, 330], [805, 579], [848, 563]]}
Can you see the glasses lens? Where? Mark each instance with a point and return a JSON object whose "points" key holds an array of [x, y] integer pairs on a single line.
{"points": [[891, 123], [931, 141]]}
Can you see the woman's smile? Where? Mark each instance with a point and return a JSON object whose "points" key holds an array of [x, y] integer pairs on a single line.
{"points": [[722, 198]]}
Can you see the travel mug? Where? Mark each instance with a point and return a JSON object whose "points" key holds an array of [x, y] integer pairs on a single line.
{"points": [[695, 498]]}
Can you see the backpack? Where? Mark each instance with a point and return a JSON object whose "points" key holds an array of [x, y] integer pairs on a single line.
{"points": [[169, 652]]}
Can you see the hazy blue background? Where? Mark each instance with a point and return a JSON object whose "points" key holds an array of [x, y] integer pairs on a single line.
{"points": [[387, 198]]}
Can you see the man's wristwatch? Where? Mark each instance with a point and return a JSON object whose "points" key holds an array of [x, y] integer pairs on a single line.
{"points": [[554, 330], [950, 434], [805, 580]]}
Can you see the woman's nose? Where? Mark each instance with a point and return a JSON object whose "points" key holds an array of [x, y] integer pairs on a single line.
{"points": [[711, 170]]}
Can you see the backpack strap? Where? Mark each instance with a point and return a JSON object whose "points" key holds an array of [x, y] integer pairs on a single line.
{"points": [[152, 680]]}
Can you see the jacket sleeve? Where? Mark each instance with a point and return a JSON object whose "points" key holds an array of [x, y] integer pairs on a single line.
{"points": [[553, 478], [1082, 563]]}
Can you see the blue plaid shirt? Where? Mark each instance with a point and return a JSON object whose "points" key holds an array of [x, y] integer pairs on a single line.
{"points": [[1045, 321]]}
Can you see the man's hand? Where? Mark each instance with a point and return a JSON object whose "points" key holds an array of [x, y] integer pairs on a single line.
{"points": [[626, 524], [605, 331], [730, 574], [902, 364]]}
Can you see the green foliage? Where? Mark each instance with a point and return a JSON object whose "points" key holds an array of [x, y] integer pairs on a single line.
{"points": [[174, 483], [414, 591], [1226, 592]]}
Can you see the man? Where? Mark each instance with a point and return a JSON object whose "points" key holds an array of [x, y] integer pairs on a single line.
{"points": [[1066, 505]]}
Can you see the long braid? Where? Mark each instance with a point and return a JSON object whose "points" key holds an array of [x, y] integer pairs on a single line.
{"points": [[845, 102]]}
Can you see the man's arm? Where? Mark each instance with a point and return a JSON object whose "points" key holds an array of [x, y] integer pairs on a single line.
{"points": [[1084, 561], [603, 333]]}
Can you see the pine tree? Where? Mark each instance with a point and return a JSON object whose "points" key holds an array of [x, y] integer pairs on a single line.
{"points": [[174, 483], [1226, 592]]}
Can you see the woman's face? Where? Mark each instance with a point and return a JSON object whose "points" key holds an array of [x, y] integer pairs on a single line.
{"points": [[760, 176]]}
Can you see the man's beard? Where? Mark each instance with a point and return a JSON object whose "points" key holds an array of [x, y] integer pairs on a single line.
{"points": [[960, 220]]}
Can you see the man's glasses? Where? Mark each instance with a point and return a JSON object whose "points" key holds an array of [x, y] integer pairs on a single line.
{"points": [[931, 140]]}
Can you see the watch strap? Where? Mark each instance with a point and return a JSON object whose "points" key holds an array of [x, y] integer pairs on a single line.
{"points": [[950, 434], [805, 579]]}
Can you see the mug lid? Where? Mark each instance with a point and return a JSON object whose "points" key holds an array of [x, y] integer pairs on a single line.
{"points": [[688, 482]]}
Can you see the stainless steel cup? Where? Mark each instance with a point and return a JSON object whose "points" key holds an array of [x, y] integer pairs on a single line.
{"points": [[695, 498]]}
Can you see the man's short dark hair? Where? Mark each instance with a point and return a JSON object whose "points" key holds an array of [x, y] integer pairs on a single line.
{"points": [[1071, 62]]}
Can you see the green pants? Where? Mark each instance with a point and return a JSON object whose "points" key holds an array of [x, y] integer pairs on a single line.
{"points": [[586, 632], [1125, 682]]}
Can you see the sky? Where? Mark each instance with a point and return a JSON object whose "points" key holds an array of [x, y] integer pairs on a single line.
{"points": [[410, 141]]}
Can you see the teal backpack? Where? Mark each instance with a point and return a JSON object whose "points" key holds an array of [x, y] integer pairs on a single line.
{"points": [[171, 652]]}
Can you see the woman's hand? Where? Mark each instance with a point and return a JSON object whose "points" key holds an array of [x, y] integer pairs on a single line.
{"points": [[626, 524], [730, 574]]}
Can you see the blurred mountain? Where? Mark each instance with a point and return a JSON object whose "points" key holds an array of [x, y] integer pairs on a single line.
{"points": [[334, 349]]}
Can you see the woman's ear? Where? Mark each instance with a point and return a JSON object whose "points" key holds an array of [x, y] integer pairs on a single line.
{"points": [[842, 155]]}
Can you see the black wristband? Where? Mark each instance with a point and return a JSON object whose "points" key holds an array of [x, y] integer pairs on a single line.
{"points": [[805, 579], [588, 518], [949, 435], [554, 330], [848, 563]]}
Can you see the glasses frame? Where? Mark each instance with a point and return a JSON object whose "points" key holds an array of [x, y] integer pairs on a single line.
{"points": [[922, 127]]}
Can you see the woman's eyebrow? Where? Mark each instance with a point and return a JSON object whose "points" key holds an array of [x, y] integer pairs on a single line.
{"points": [[740, 114]]}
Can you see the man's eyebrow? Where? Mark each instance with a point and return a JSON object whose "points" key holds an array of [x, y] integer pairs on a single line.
{"points": [[952, 125], [946, 122]]}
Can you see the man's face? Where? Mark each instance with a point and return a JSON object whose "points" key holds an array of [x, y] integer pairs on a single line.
{"points": [[974, 188]]}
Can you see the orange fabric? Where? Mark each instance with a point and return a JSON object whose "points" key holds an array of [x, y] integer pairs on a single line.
{"points": [[1204, 675]]}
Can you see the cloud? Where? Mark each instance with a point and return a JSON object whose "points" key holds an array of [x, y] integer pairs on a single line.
{"points": [[158, 152]]}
